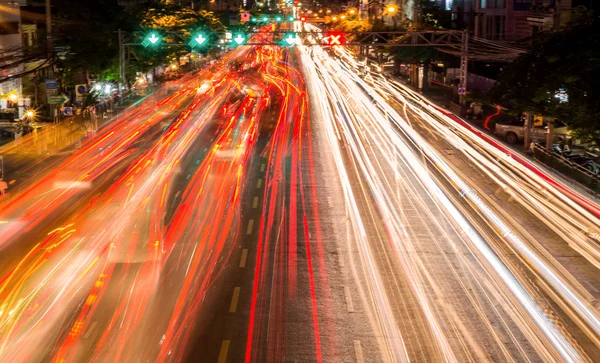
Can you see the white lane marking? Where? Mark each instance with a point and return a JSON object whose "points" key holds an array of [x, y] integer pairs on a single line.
{"points": [[349, 299], [259, 183], [358, 352], [340, 257], [244, 257], [223, 352], [262, 167], [90, 330], [234, 300], [255, 202], [250, 225]]}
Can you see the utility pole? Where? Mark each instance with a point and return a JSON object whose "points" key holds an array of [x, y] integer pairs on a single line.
{"points": [[527, 130], [550, 135], [122, 72], [49, 33], [464, 66], [557, 15]]}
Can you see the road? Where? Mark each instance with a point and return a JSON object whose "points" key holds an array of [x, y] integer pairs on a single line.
{"points": [[302, 208]]}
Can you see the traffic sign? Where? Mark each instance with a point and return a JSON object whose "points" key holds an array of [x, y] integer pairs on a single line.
{"points": [[58, 100], [51, 83], [68, 111], [245, 17], [462, 91], [335, 38]]}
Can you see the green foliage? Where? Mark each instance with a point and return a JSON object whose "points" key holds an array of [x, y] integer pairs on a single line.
{"points": [[84, 33], [566, 62], [434, 16]]}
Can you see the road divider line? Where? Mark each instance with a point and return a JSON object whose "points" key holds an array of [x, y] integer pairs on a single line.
{"points": [[349, 299], [262, 167], [223, 352], [360, 358], [255, 203], [234, 300], [259, 183], [250, 225], [340, 257], [244, 257], [90, 330]]}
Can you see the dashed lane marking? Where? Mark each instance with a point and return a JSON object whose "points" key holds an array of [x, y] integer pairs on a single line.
{"points": [[255, 203], [223, 352], [90, 330], [234, 300], [349, 299], [340, 257], [358, 352], [259, 183], [250, 225], [244, 257], [262, 167]]}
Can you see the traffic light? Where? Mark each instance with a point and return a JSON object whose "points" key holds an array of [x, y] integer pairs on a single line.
{"points": [[278, 19], [198, 40], [240, 39], [335, 38], [290, 39], [151, 40], [291, 18], [303, 18]]}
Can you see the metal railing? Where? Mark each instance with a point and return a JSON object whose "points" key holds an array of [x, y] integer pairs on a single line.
{"points": [[569, 169]]}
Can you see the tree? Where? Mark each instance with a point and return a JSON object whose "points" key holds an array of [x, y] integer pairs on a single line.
{"points": [[556, 77], [430, 17], [85, 36]]}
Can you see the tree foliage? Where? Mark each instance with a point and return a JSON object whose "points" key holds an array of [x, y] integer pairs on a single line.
{"points": [[84, 33], [557, 76], [432, 17]]}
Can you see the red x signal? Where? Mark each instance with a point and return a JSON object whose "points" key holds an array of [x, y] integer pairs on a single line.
{"points": [[336, 38]]}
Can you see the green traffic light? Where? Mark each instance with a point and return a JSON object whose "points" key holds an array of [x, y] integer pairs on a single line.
{"points": [[265, 19], [198, 40], [290, 39], [278, 19], [151, 40], [291, 18], [239, 39]]}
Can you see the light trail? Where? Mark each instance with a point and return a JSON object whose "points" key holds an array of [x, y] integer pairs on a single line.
{"points": [[376, 138]]}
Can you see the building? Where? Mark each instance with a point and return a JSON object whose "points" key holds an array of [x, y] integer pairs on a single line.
{"points": [[508, 20], [10, 53]]}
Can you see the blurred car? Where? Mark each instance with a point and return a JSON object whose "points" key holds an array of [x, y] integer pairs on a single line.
{"points": [[513, 131]]}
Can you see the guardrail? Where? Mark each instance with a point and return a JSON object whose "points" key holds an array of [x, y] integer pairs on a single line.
{"points": [[569, 169]]}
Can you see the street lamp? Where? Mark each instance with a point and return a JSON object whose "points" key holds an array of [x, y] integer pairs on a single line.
{"points": [[30, 114], [352, 11], [391, 9]]}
